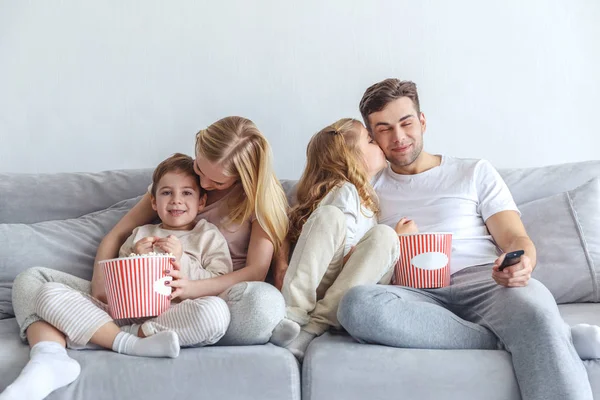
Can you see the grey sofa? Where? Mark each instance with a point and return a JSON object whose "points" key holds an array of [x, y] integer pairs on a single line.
{"points": [[57, 220]]}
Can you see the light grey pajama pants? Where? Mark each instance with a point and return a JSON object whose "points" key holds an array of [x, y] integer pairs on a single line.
{"points": [[64, 301], [475, 313]]}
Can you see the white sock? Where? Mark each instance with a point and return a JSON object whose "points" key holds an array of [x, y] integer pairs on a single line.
{"points": [[133, 329], [48, 369], [162, 344], [285, 331], [300, 344], [586, 339]]}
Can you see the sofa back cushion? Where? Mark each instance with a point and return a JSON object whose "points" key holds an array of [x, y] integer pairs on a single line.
{"points": [[30, 198], [565, 228], [67, 245]]}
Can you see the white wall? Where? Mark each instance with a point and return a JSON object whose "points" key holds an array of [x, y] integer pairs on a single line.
{"points": [[87, 86]]}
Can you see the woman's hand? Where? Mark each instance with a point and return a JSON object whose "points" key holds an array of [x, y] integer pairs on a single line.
{"points": [[406, 226], [170, 244], [144, 245], [182, 288]]}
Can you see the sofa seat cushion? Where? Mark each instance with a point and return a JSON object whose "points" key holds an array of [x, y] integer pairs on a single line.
{"points": [[336, 366], [244, 372]]}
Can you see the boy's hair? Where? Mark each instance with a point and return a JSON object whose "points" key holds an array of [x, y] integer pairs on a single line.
{"points": [[176, 163], [332, 159], [240, 148], [377, 96]]}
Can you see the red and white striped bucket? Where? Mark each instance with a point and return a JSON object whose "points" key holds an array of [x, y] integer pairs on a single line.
{"points": [[135, 286], [424, 260]]}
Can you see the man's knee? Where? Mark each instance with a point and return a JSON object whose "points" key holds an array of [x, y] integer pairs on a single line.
{"points": [[533, 306], [357, 305]]}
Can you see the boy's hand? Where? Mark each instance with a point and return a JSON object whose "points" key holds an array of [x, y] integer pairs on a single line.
{"points": [[406, 226], [180, 285], [170, 244], [517, 275], [144, 245]]}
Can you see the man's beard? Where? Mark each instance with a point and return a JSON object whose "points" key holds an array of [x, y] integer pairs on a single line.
{"points": [[412, 157]]}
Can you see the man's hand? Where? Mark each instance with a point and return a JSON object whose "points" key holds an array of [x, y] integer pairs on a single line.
{"points": [[144, 245], [170, 244], [517, 275]]}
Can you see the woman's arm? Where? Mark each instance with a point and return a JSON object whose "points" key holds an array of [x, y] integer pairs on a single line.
{"points": [[260, 252], [141, 214]]}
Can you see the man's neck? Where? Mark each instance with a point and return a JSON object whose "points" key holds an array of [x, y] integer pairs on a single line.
{"points": [[423, 163]]}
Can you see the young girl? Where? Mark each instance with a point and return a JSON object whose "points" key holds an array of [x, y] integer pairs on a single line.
{"points": [[339, 244], [245, 201]]}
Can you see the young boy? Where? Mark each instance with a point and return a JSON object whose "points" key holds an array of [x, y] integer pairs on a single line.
{"points": [[177, 197], [201, 251]]}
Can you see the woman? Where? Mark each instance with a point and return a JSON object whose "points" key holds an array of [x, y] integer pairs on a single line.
{"points": [[246, 202]]}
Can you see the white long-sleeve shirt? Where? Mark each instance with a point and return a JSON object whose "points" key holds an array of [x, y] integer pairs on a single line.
{"points": [[205, 251], [358, 218]]}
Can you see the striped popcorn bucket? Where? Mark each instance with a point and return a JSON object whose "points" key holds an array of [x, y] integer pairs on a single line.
{"points": [[135, 286], [424, 260]]}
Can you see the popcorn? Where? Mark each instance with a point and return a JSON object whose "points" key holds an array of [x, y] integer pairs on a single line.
{"points": [[151, 254]]}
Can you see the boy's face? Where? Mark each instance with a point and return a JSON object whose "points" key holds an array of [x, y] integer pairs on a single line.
{"points": [[178, 201]]}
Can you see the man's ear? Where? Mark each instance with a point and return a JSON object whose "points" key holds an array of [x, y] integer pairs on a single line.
{"points": [[202, 202], [423, 122], [153, 201]]}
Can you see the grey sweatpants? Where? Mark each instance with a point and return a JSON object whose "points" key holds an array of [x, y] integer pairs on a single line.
{"points": [[475, 313], [255, 309]]}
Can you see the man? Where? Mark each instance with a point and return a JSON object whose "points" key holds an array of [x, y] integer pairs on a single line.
{"points": [[483, 307]]}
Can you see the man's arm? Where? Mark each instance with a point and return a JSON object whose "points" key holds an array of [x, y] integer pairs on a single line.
{"points": [[509, 234]]}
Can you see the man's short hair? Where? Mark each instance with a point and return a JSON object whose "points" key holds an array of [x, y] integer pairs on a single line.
{"points": [[382, 93], [176, 163]]}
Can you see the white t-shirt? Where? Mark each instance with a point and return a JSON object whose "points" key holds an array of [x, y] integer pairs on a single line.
{"points": [[358, 218], [458, 196]]}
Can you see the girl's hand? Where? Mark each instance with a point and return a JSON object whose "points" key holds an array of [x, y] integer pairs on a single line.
{"points": [[406, 226], [180, 285], [144, 245], [170, 244]]}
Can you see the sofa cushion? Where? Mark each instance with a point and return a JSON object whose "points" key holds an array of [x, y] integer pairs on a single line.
{"points": [[243, 372], [566, 231], [30, 198], [337, 367], [528, 184], [67, 245]]}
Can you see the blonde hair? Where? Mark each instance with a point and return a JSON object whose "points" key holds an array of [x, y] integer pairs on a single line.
{"points": [[332, 159], [238, 146]]}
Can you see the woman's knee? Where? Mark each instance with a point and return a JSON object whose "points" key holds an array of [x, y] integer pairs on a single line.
{"points": [[257, 296], [32, 277], [256, 308]]}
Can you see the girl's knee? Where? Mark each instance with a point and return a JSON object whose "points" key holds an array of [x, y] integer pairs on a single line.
{"points": [[328, 213], [384, 234]]}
